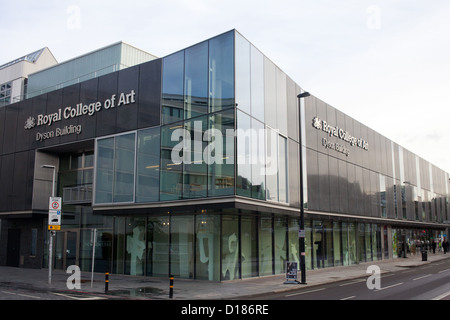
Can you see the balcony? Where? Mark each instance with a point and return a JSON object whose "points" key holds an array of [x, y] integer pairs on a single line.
{"points": [[78, 194]]}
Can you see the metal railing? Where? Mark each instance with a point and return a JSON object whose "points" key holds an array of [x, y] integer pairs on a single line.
{"points": [[77, 194]]}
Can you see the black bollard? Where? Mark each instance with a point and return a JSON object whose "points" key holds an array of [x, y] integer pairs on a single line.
{"points": [[171, 287], [106, 282]]}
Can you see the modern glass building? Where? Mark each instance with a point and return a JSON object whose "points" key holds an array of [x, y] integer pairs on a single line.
{"points": [[190, 165]]}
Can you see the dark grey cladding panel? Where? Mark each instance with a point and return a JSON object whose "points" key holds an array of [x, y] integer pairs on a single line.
{"points": [[149, 113]]}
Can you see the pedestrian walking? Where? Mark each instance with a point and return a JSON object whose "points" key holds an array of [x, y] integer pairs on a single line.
{"points": [[433, 245]]}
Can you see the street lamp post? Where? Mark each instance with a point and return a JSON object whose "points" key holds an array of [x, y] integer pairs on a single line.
{"points": [[51, 233], [302, 209]]}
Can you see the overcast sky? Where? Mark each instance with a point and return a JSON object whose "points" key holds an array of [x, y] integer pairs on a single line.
{"points": [[385, 63]]}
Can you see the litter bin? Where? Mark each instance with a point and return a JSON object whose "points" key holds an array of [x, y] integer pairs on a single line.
{"points": [[424, 255]]}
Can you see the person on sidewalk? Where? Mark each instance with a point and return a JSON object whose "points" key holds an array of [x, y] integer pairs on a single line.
{"points": [[445, 246], [433, 245]]}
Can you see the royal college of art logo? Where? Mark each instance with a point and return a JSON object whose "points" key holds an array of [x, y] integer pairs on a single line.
{"points": [[30, 123], [317, 123]]}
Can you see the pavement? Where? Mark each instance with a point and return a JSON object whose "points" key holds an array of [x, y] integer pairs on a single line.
{"points": [[140, 287]]}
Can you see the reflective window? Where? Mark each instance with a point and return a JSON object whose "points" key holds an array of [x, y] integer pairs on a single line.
{"points": [[257, 83], [383, 195], [402, 181], [282, 170], [221, 72], [293, 228], [271, 164], [242, 73], [207, 247], [147, 172], [230, 247], [258, 155], [270, 94], [157, 246], [337, 232], [265, 246], [5, 93], [318, 248], [124, 168], [280, 244], [182, 246], [249, 246], [281, 106], [171, 172], [244, 167], [220, 152], [104, 173], [196, 80], [135, 246], [172, 88], [194, 166]]}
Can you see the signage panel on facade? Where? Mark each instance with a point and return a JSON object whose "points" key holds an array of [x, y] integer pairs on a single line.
{"points": [[54, 213]]}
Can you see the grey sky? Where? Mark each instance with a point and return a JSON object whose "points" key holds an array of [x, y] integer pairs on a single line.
{"points": [[384, 62]]}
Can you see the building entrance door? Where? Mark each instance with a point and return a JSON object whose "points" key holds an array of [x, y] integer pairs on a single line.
{"points": [[67, 248], [13, 248]]}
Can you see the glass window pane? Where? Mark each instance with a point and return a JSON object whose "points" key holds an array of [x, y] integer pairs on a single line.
{"points": [[280, 249], [244, 132], [271, 165], [265, 246], [89, 159], [172, 88], [257, 84], [158, 246], [119, 245], [242, 73], [135, 246], [294, 251], [270, 91], [194, 168], [171, 172], [230, 248], [182, 247], [318, 241], [208, 247], [196, 80], [309, 250], [221, 72], [281, 107], [352, 242], [328, 243], [105, 165], [249, 243], [148, 157], [345, 245], [124, 168], [337, 243], [368, 238], [282, 169], [258, 159], [221, 168]]}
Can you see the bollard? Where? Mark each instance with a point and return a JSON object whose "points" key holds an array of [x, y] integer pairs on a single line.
{"points": [[171, 287], [106, 282]]}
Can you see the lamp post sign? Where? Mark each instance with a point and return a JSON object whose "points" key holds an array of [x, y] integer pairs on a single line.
{"points": [[54, 214]]}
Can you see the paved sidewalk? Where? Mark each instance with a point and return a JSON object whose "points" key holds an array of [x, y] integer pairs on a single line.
{"points": [[138, 287]]}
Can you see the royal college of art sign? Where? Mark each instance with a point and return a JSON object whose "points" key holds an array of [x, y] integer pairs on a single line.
{"points": [[335, 131], [69, 112]]}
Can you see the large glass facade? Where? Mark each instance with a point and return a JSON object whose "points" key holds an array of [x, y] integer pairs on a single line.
{"points": [[147, 167], [115, 169], [229, 126]]}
